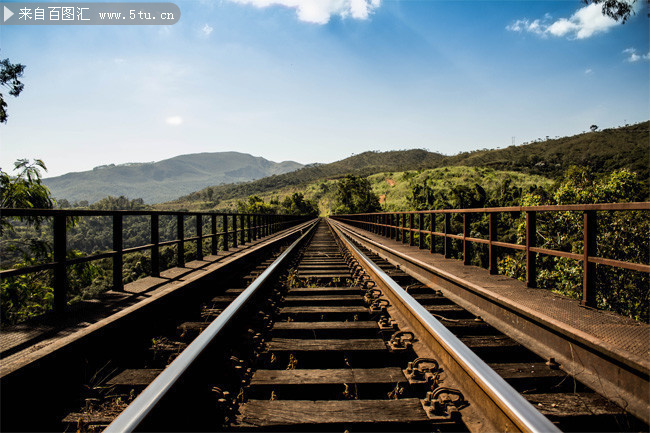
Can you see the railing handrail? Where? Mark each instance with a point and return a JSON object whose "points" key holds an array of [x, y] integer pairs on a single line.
{"points": [[394, 226], [11, 212], [250, 227], [641, 205]]}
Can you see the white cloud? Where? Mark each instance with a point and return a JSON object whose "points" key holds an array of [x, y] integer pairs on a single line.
{"points": [[584, 23], [174, 120], [633, 57], [589, 71], [206, 30], [320, 11]]}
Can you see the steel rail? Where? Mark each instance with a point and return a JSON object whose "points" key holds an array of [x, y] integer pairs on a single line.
{"points": [[137, 411], [518, 410]]}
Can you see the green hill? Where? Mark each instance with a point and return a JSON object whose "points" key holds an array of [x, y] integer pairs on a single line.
{"points": [[394, 187], [160, 181], [602, 151], [364, 164]]}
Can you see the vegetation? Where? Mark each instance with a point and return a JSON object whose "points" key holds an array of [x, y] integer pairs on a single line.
{"points": [[622, 235], [9, 78], [294, 204], [601, 152], [354, 195], [616, 9]]}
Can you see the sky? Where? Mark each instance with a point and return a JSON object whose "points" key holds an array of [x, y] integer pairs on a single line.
{"points": [[321, 80]]}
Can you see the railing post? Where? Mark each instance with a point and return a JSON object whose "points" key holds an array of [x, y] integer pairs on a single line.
{"points": [[420, 218], [395, 226], [447, 246], [118, 246], [589, 269], [492, 238], [466, 244], [199, 237], [432, 227], [531, 237], [403, 227], [411, 232], [255, 220], [242, 222], [234, 231], [225, 232], [155, 249], [214, 245], [60, 273], [249, 219], [180, 228]]}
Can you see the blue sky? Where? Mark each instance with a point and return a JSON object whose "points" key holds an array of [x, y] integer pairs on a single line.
{"points": [[320, 80]]}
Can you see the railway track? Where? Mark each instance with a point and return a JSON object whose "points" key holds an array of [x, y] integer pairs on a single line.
{"points": [[326, 339]]}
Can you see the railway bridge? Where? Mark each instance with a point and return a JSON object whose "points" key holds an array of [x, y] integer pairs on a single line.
{"points": [[368, 322]]}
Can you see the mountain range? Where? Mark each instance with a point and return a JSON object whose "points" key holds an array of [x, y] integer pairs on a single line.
{"points": [[164, 180], [204, 180]]}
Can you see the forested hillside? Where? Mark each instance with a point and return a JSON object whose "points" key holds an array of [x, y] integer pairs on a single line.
{"points": [[363, 164], [601, 152]]}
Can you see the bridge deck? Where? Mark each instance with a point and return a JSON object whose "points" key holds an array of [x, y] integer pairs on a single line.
{"points": [[621, 336]]}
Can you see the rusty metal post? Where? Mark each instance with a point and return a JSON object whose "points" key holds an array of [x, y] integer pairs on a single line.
{"points": [[531, 237], [420, 243], [411, 232], [118, 256], [155, 248], [396, 226], [60, 274], [432, 238], [234, 231], [589, 250], [225, 232], [180, 228], [447, 246], [242, 230], [492, 248], [466, 233], [403, 228], [199, 237], [214, 246]]}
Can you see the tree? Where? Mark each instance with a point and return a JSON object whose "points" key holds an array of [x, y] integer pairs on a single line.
{"points": [[24, 190], [9, 78], [615, 9], [354, 195], [593, 128], [297, 205]]}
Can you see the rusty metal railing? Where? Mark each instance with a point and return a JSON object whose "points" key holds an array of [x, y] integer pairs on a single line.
{"points": [[404, 225], [237, 229]]}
